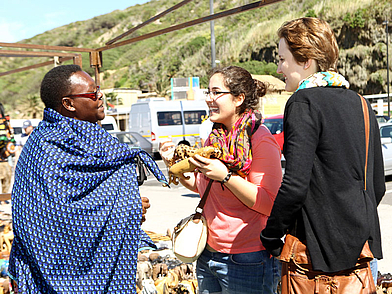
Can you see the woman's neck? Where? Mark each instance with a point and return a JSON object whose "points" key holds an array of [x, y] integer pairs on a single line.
{"points": [[229, 125]]}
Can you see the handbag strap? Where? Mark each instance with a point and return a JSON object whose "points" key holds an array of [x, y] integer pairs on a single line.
{"points": [[367, 127], [199, 208]]}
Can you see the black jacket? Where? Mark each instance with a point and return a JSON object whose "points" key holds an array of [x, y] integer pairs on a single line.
{"points": [[322, 198]]}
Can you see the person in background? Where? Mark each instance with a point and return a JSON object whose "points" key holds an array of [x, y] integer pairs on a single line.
{"points": [[5, 174], [7, 151], [246, 180], [76, 207], [322, 200], [27, 129]]}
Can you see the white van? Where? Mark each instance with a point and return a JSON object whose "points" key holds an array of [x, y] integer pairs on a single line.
{"points": [[109, 123], [156, 119]]}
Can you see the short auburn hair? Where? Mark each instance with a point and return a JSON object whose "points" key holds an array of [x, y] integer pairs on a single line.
{"points": [[311, 38]]}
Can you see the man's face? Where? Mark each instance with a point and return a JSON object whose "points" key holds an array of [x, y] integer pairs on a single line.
{"points": [[28, 130], [85, 108]]}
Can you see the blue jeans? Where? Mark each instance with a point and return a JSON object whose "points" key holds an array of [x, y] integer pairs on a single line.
{"points": [[243, 273], [374, 269]]}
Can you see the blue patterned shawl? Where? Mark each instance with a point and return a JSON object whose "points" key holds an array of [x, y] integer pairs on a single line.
{"points": [[76, 210], [324, 79]]}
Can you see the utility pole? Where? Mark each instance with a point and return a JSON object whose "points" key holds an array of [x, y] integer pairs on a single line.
{"points": [[386, 30], [212, 35]]}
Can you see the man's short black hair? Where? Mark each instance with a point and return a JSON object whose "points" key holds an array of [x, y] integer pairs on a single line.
{"points": [[56, 84]]}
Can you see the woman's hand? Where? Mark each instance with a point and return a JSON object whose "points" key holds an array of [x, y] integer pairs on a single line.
{"points": [[215, 169], [166, 150], [212, 168], [146, 205]]}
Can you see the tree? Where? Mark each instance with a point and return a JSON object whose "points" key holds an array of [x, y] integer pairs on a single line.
{"points": [[112, 99], [32, 107]]}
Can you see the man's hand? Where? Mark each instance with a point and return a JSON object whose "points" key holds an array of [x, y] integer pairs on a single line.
{"points": [[166, 150], [146, 205]]}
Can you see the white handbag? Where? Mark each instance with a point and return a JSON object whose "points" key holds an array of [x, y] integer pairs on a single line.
{"points": [[190, 238]]}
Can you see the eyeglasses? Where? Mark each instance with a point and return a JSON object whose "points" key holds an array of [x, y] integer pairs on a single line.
{"points": [[92, 95], [213, 94]]}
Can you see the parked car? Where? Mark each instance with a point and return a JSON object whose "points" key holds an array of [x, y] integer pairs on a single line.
{"points": [[134, 140], [383, 118], [386, 141], [275, 125]]}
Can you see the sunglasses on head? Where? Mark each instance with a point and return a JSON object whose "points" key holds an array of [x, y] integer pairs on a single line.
{"points": [[91, 95]]}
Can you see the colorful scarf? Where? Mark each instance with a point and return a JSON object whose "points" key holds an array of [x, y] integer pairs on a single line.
{"points": [[236, 144], [76, 210], [324, 79]]}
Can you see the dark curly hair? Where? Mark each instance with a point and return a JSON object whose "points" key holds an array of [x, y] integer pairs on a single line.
{"points": [[238, 80], [56, 85]]}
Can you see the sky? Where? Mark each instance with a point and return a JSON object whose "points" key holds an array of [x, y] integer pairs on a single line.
{"points": [[23, 19]]}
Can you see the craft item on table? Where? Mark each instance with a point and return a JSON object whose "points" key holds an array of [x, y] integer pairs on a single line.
{"points": [[143, 272], [167, 283], [6, 238]]}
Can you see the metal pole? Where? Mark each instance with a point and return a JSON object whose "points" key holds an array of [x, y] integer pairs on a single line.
{"points": [[118, 118], [386, 30], [389, 107], [212, 35]]}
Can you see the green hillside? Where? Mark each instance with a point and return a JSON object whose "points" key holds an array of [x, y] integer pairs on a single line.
{"points": [[247, 39]]}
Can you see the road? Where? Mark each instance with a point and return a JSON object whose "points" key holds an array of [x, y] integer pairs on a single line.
{"points": [[169, 205]]}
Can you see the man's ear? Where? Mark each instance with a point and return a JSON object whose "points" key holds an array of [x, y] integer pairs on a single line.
{"points": [[67, 103]]}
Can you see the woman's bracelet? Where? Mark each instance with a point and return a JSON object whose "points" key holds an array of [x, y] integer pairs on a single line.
{"points": [[227, 178]]}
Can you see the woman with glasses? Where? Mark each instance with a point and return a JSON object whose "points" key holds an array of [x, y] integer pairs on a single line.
{"points": [[246, 180]]}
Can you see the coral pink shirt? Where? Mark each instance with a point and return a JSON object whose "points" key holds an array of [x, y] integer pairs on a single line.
{"points": [[232, 226]]}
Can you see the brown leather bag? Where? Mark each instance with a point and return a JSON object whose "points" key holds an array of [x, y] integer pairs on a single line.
{"points": [[298, 277]]}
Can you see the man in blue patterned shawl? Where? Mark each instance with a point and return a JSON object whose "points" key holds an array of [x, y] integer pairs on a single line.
{"points": [[76, 207]]}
